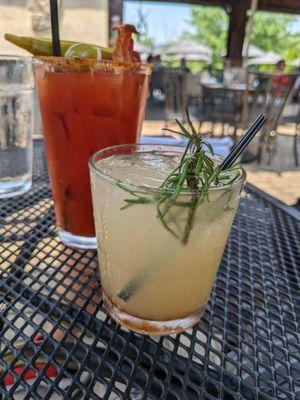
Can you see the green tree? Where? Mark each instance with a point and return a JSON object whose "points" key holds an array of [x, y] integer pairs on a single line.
{"points": [[271, 31], [293, 51], [210, 26]]}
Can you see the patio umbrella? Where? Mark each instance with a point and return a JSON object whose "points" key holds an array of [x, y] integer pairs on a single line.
{"points": [[192, 57], [295, 63], [143, 50], [255, 51], [188, 46], [269, 58]]}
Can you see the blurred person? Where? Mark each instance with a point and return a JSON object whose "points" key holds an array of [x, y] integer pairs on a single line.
{"points": [[150, 59], [280, 67], [183, 68], [156, 62], [280, 79], [156, 84], [151, 88]]}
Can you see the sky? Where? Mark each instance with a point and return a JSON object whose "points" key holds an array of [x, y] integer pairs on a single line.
{"points": [[166, 21]]}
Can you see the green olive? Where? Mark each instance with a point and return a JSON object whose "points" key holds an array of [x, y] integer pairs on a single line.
{"points": [[83, 50]]}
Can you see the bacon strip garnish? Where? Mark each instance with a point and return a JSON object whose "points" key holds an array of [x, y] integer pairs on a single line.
{"points": [[123, 50]]}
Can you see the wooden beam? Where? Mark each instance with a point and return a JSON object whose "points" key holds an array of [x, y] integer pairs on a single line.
{"points": [[286, 6], [115, 17], [236, 31]]}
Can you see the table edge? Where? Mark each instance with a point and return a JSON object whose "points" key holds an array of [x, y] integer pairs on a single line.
{"points": [[291, 211]]}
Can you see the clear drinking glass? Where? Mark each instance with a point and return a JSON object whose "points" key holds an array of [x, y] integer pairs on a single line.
{"points": [[86, 105], [155, 281], [16, 125]]}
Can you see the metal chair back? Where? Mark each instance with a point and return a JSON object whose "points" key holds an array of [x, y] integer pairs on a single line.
{"points": [[266, 93], [221, 104], [291, 116], [175, 94]]}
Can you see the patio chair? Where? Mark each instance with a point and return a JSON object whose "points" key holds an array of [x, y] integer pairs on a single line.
{"points": [[269, 94], [156, 85], [175, 95], [217, 74], [193, 89], [291, 116], [296, 141], [221, 105], [234, 75]]}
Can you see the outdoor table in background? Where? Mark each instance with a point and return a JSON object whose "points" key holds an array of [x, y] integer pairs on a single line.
{"points": [[58, 343], [224, 103], [235, 87]]}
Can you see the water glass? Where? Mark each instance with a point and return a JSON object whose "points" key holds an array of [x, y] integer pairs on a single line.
{"points": [[16, 125]]}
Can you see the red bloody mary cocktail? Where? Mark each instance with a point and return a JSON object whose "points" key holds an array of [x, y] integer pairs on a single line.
{"points": [[86, 105]]}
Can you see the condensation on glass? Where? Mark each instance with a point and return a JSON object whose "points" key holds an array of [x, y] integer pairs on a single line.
{"points": [[16, 125]]}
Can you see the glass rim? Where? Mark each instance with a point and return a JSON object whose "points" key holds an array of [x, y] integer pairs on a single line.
{"points": [[18, 82], [146, 189], [68, 62], [12, 57]]}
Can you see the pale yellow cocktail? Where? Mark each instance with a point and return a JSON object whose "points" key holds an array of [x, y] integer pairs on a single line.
{"points": [[156, 277]]}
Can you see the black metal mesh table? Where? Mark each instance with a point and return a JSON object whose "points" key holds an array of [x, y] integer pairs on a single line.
{"points": [[56, 341]]}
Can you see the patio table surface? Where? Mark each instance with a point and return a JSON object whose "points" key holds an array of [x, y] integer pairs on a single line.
{"points": [[57, 342]]}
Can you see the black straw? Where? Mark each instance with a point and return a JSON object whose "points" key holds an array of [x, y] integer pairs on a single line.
{"points": [[243, 143], [55, 28]]}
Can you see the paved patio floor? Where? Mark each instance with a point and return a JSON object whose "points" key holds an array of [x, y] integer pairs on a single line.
{"points": [[281, 179]]}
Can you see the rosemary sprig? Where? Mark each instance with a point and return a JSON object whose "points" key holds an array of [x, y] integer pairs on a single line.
{"points": [[196, 173]]}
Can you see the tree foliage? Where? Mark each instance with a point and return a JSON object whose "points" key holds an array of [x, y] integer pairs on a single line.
{"points": [[271, 31], [210, 26]]}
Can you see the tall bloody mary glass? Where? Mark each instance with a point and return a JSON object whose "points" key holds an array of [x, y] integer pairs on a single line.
{"points": [[86, 105]]}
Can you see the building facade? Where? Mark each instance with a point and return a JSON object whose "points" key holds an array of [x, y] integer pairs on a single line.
{"points": [[80, 20]]}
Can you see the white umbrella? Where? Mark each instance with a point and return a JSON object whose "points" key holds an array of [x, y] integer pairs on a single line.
{"points": [[269, 58], [188, 46], [255, 51], [295, 63], [192, 57], [141, 48]]}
